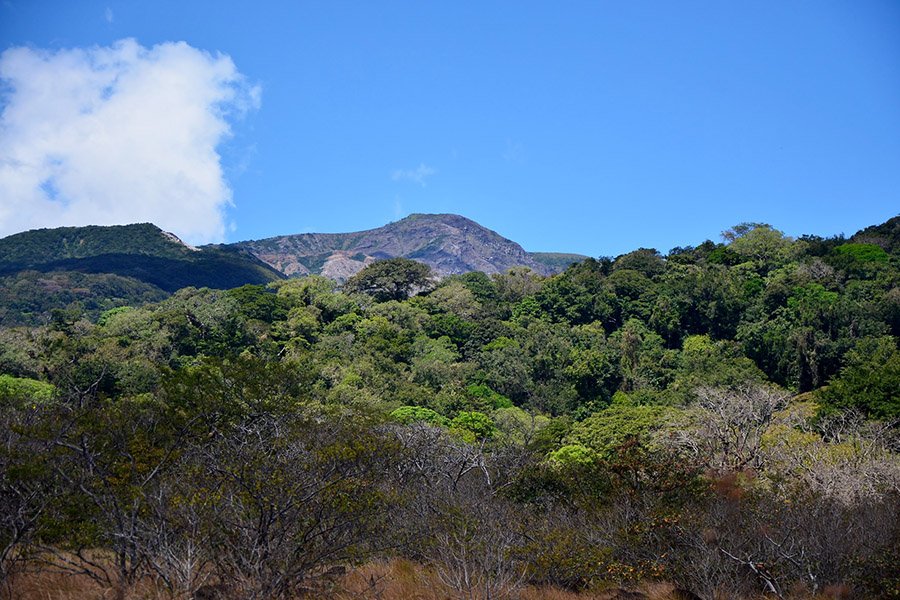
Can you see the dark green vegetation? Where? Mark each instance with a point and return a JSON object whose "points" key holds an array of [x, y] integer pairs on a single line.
{"points": [[94, 268], [723, 417], [557, 261]]}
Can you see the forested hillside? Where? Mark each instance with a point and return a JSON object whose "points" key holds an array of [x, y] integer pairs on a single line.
{"points": [[721, 420], [95, 268]]}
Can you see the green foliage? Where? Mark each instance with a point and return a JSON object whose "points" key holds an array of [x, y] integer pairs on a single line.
{"points": [[576, 295], [487, 397], [256, 302], [19, 390], [643, 360], [473, 426], [573, 455], [518, 427], [704, 362], [860, 261], [557, 261], [414, 414], [391, 279], [608, 429], [29, 297], [865, 253], [139, 252], [766, 247], [870, 382], [482, 287], [47, 245], [646, 261], [886, 235]]}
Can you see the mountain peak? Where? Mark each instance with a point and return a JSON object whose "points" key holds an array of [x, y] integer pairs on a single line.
{"points": [[449, 218], [448, 243]]}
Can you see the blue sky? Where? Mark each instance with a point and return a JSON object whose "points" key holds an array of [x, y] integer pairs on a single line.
{"points": [[590, 127]]}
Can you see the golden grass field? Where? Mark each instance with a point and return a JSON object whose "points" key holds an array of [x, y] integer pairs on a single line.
{"points": [[382, 580]]}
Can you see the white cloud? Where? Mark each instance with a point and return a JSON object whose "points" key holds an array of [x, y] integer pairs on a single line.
{"points": [[417, 175], [119, 134], [108, 15]]}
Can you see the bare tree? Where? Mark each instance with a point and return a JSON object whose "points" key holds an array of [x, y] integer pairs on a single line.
{"points": [[108, 461], [295, 496], [473, 550], [177, 534], [27, 487], [727, 425], [454, 518]]}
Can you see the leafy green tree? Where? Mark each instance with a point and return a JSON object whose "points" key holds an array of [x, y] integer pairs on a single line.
{"points": [[870, 381], [516, 283], [473, 426], [594, 365], [860, 261], [573, 454], [633, 294], [316, 292], [578, 296], [391, 279], [608, 429], [766, 247], [257, 302], [415, 414], [435, 363], [482, 287], [506, 369], [643, 360], [487, 398], [646, 261], [704, 362], [22, 390]]}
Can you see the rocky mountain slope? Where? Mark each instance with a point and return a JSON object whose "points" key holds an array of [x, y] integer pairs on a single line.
{"points": [[449, 244]]}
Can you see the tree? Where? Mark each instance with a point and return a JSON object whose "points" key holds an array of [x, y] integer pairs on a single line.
{"points": [[870, 382], [729, 424], [391, 279], [760, 243], [27, 487], [294, 495]]}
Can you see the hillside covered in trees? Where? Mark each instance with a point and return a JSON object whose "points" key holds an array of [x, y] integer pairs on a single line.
{"points": [[96, 268], [721, 420]]}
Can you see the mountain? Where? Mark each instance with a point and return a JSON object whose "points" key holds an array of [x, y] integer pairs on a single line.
{"points": [[141, 252], [449, 244]]}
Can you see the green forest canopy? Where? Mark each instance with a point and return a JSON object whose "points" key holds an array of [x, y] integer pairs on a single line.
{"points": [[618, 378]]}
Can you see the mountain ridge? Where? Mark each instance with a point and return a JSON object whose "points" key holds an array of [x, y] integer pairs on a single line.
{"points": [[141, 251], [449, 243]]}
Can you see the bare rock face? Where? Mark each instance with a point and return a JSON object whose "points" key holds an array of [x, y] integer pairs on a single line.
{"points": [[449, 244], [341, 266]]}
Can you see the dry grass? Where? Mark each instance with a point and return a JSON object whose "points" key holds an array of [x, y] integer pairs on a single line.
{"points": [[48, 585], [378, 580], [404, 580]]}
